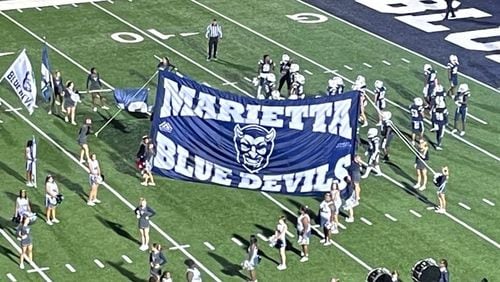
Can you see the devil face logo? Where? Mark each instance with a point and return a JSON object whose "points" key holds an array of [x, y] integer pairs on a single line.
{"points": [[27, 82], [254, 145]]}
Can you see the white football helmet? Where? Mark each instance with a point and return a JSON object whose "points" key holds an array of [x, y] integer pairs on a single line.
{"points": [[293, 97], [453, 58], [360, 80], [463, 87], [275, 95], [386, 115], [285, 58], [439, 88], [338, 80], [300, 79], [372, 132], [294, 68], [418, 101], [427, 67], [379, 84], [271, 77], [332, 83]]}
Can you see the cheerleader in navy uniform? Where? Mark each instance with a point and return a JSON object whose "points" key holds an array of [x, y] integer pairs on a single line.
{"points": [[440, 180], [23, 234], [144, 213], [156, 260]]}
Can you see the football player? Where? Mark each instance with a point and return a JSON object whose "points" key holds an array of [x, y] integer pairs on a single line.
{"points": [[417, 119], [380, 98], [275, 95], [452, 74], [461, 100], [268, 86], [360, 85], [266, 67], [439, 116], [430, 83], [285, 73], [298, 80], [335, 86], [387, 133], [326, 210], [373, 152]]}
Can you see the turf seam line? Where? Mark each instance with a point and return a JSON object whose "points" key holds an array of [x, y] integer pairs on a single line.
{"points": [[70, 267], [209, 246], [262, 237], [74, 5], [19, 10], [247, 79], [184, 34], [38, 9], [56, 7]]}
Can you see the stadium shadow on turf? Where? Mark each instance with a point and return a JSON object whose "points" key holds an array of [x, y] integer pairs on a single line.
{"points": [[228, 267], [11, 172], [118, 229], [125, 272], [9, 254]]}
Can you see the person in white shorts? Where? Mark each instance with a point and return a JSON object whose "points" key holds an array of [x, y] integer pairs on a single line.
{"points": [[337, 203], [304, 232], [95, 179], [326, 210], [253, 259]]}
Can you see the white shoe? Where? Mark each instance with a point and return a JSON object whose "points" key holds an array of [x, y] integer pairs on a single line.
{"points": [[439, 148], [55, 220], [66, 119], [365, 124], [349, 219], [304, 259], [58, 103], [1, 121], [322, 241], [365, 175], [104, 108], [330, 242], [90, 203], [281, 267], [21, 266], [97, 201], [302, 253], [144, 183], [416, 186], [462, 133], [73, 123], [82, 161], [413, 143], [335, 231], [143, 248], [63, 110], [29, 184], [49, 222], [439, 210], [422, 188], [94, 109], [50, 112]]}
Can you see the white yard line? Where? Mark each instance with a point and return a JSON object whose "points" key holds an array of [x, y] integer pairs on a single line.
{"points": [[209, 246], [405, 60], [348, 67], [489, 202], [230, 83], [386, 62], [126, 259], [290, 234], [18, 249], [111, 1], [181, 247], [308, 72], [329, 70], [262, 237], [184, 34], [342, 226], [206, 83], [11, 277], [367, 65], [415, 213], [74, 5], [38, 9], [70, 267], [19, 10], [99, 263], [247, 79], [56, 7], [464, 206], [366, 221], [390, 217], [64, 151], [394, 44], [237, 242]]}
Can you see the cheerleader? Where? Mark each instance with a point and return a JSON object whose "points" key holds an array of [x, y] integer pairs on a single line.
{"points": [[337, 203], [280, 238], [51, 194], [253, 259], [143, 214], [326, 210], [304, 232], [192, 273], [23, 207], [156, 261], [95, 179], [423, 156], [23, 234], [71, 98], [28, 155], [147, 175], [441, 179]]}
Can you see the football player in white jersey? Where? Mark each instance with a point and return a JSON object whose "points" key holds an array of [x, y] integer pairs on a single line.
{"points": [[380, 98], [430, 84], [298, 81], [452, 74], [335, 86], [304, 232], [360, 85], [266, 67], [326, 211], [373, 152]]}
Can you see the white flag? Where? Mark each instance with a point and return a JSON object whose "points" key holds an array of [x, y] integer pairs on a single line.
{"points": [[22, 79]]}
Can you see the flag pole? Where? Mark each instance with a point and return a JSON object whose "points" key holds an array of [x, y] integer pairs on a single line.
{"points": [[119, 110], [34, 153]]}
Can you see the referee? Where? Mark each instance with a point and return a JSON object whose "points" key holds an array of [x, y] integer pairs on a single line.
{"points": [[213, 34]]}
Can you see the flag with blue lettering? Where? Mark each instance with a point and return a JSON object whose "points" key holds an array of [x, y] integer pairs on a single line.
{"points": [[289, 146], [132, 99], [22, 80], [46, 81]]}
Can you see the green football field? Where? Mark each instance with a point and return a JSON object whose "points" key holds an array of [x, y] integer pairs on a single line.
{"points": [[395, 225]]}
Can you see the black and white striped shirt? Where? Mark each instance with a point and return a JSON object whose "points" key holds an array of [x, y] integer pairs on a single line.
{"points": [[214, 30]]}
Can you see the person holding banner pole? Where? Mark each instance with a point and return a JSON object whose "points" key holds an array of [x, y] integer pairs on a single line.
{"points": [[58, 94], [82, 140], [93, 86], [71, 98]]}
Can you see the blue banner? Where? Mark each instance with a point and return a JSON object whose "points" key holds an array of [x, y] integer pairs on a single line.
{"points": [[132, 99], [46, 81], [289, 146]]}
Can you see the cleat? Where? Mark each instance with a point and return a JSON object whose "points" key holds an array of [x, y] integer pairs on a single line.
{"points": [[462, 133], [304, 259], [416, 186], [422, 188], [349, 219], [439, 148], [90, 203]]}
